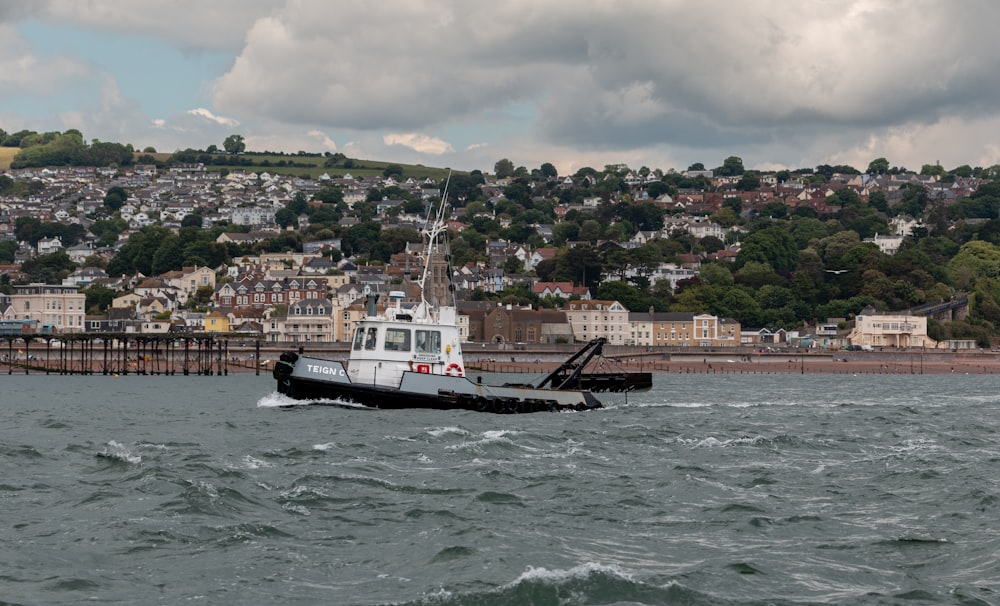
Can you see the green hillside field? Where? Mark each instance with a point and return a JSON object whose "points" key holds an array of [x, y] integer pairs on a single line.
{"points": [[312, 166], [6, 155], [301, 166]]}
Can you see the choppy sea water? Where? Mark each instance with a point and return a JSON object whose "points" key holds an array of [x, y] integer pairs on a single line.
{"points": [[707, 490]]}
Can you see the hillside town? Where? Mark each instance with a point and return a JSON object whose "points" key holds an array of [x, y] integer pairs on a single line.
{"points": [[311, 294]]}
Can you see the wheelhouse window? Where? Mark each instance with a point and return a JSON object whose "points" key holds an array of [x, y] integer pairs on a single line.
{"points": [[397, 339], [370, 338], [428, 341], [359, 339]]}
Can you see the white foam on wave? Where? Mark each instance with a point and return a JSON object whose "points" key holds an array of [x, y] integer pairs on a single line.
{"points": [[118, 451], [250, 462], [576, 572], [713, 442], [487, 437], [437, 432], [277, 400]]}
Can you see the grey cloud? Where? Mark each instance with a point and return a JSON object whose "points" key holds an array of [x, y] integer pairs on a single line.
{"points": [[14, 10], [192, 25], [767, 64], [766, 76]]}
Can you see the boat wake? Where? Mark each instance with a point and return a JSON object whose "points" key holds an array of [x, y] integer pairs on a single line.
{"points": [[278, 400]]}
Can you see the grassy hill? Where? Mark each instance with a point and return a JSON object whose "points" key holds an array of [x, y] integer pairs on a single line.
{"points": [[6, 155], [302, 166], [310, 166]]}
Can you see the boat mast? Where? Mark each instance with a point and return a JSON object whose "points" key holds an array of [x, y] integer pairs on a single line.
{"points": [[436, 289]]}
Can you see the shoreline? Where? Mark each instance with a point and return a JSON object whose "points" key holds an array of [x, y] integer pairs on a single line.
{"points": [[688, 363], [775, 364]]}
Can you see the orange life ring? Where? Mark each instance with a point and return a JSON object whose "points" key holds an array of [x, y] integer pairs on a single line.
{"points": [[456, 368]]}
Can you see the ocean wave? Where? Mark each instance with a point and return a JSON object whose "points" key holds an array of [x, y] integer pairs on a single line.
{"points": [[500, 437], [116, 451], [589, 583]]}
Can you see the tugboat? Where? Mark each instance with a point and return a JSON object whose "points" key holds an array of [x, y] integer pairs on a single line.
{"points": [[412, 358]]}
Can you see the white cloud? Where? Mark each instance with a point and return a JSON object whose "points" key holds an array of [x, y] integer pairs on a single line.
{"points": [[208, 115], [326, 142], [424, 144]]}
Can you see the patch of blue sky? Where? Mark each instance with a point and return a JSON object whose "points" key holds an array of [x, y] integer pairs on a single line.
{"points": [[491, 125], [161, 78]]}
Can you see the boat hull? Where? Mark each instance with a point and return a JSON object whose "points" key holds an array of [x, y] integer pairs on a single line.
{"points": [[610, 381], [304, 378]]}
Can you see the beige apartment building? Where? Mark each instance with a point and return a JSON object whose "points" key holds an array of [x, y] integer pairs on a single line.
{"points": [[190, 279], [61, 307], [595, 318], [682, 329], [874, 330]]}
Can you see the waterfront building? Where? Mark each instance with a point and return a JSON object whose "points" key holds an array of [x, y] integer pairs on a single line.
{"points": [[873, 330], [59, 306], [598, 318], [682, 329]]}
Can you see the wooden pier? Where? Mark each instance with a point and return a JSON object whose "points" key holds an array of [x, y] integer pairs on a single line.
{"points": [[129, 353]]}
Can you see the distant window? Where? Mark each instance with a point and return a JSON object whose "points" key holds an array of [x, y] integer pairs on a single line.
{"points": [[371, 338]]}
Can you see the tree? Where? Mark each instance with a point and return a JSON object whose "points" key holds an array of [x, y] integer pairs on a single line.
{"points": [[771, 245], [632, 297], [716, 274], [392, 169], [503, 168], [115, 198], [590, 230], [933, 169], [234, 144], [748, 182], [732, 167], [512, 265], [28, 229], [878, 166], [285, 217], [974, 260], [8, 249], [98, 298], [618, 261], [298, 204], [331, 194], [48, 269], [549, 171]]}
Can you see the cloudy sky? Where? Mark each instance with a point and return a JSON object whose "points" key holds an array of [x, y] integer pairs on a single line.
{"points": [[464, 83]]}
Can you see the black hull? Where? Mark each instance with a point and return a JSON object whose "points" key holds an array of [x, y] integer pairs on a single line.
{"points": [[387, 398], [599, 382]]}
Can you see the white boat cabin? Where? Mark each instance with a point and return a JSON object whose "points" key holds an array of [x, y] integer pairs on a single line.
{"points": [[401, 340]]}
